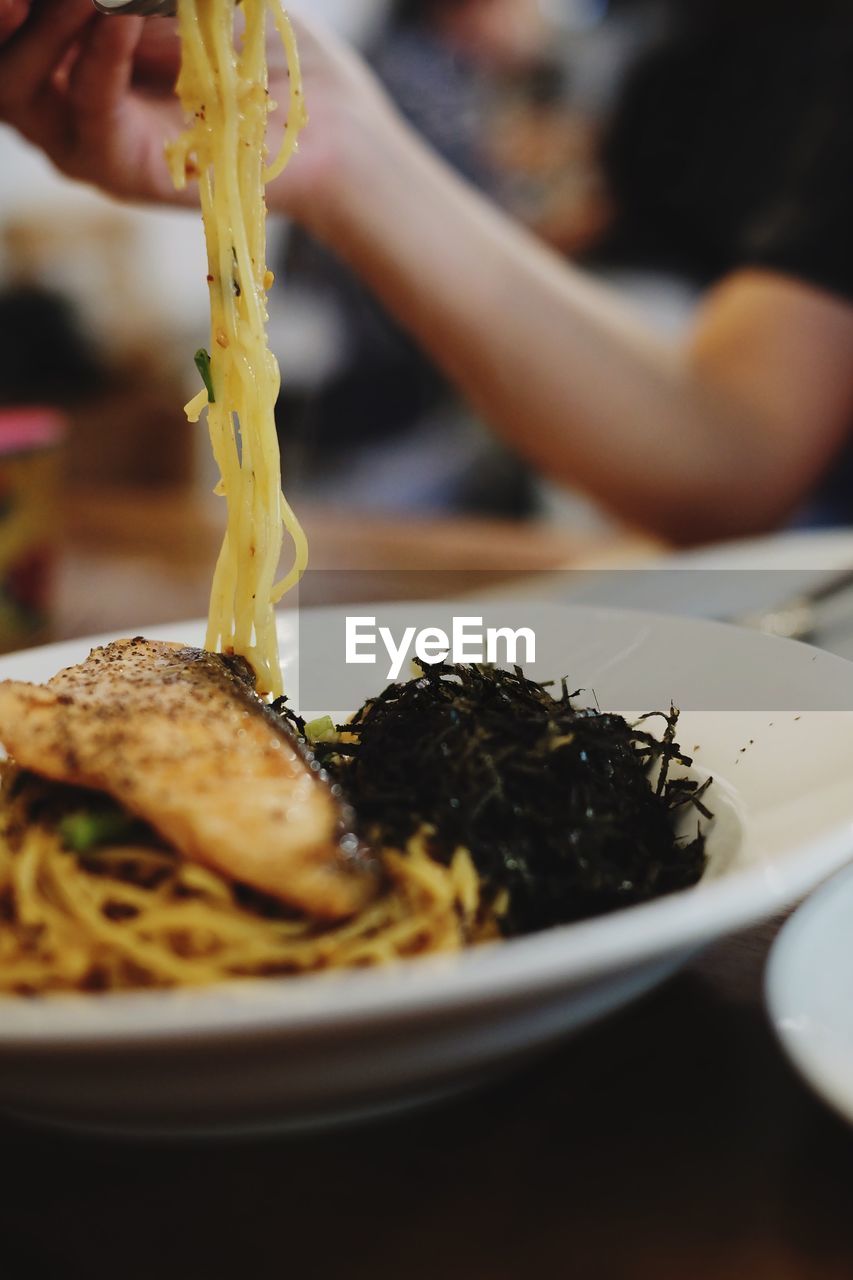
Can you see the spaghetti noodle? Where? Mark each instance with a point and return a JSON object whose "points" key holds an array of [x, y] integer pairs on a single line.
{"points": [[223, 86], [138, 915], [494, 806], [134, 913]]}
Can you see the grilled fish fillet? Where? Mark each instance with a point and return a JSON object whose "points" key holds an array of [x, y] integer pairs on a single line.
{"points": [[181, 740]]}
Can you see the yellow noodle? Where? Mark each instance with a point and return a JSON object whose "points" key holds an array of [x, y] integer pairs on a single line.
{"points": [[223, 88], [129, 917]]}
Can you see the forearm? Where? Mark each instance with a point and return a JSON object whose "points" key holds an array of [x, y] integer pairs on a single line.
{"points": [[720, 436], [554, 361]]}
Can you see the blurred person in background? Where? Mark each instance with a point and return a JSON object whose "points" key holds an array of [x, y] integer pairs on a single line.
{"points": [[383, 428], [729, 144], [725, 432], [702, 132]]}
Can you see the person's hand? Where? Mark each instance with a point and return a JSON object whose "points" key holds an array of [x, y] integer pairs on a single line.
{"points": [[97, 95], [94, 93]]}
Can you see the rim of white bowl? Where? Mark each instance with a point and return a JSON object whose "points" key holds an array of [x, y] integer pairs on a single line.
{"points": [[538, 963]]}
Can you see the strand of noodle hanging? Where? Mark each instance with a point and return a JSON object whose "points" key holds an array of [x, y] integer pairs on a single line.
{"points": [[223, 86]]}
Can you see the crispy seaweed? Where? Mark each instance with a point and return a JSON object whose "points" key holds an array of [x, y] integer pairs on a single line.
{"points": [[568, 809]]}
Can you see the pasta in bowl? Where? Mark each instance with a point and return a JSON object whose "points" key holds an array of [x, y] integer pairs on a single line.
{"points": [[294, 1050], [162, 825]]}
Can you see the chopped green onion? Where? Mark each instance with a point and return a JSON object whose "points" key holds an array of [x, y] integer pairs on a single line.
{"points": [[84, 831], [202, 363], [321, 730]]}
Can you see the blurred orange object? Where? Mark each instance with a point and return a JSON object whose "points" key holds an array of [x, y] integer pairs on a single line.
{"points": [[30, 440]]}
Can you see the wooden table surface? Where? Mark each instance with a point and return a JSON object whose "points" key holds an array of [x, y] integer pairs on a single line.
{"points": [[137, 557], [672, 1142]]}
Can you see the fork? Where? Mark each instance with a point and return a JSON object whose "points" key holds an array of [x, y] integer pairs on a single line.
{"points": [[801, 616]]}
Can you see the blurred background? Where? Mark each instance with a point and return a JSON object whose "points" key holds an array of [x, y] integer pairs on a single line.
{"points": [[634, 136]]}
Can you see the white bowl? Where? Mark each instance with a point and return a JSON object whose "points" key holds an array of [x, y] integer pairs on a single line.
{"points": [[300, 1051], [810, 992]]}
